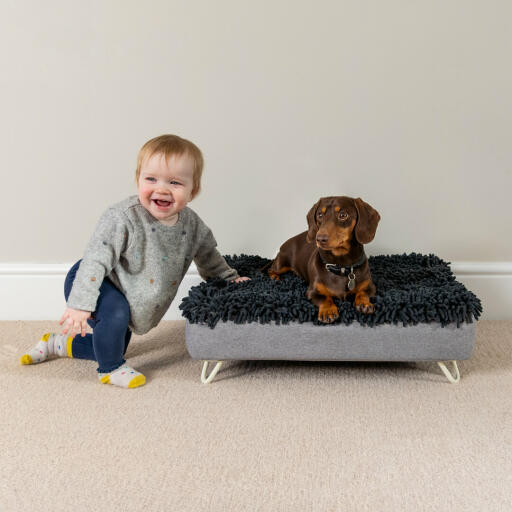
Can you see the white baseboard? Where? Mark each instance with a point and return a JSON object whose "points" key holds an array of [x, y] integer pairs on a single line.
{"points": [[491, 281], [36, 291]]}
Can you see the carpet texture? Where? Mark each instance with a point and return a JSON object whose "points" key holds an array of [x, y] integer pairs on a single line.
{"points": [[411, 289], [264, 436]]}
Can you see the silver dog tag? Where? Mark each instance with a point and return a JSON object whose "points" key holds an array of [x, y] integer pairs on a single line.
{"points": [[351, 281]]}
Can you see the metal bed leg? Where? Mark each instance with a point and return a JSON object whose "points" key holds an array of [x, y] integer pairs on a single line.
{"points": [[448, 374], [207, 380]]}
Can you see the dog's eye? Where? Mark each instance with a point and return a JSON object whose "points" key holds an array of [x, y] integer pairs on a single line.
{"points": [[343, 215]]}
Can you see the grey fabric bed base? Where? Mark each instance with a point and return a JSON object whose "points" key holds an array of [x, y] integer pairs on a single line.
{"points": [[308, 342]]}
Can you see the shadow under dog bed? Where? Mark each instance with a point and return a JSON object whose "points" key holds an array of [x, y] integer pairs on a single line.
{"points": [[421, 314]]}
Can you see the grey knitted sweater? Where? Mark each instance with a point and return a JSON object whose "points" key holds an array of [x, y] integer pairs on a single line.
{"points": [[145, 260]]}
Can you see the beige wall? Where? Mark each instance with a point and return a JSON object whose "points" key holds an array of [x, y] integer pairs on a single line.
{"points": [[405, 104]]}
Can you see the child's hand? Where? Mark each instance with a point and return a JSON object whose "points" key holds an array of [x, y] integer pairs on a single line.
{"points": [[240, 279], [76, 319]]}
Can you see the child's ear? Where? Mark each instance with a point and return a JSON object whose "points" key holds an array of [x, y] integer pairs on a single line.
{"points": [[193, 194]]}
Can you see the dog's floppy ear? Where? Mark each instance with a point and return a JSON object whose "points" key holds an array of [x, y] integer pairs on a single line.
{"points": [[367, 221], [312, 225]]}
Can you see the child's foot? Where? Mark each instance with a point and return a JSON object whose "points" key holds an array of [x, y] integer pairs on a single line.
{"points": [[124, 376], [50, 344]]}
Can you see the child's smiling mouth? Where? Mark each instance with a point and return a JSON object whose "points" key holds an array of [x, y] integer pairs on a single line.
{"points": [[162, 203]]}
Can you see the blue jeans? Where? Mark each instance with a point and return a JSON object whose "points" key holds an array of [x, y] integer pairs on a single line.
{"points": [[110, 337]]}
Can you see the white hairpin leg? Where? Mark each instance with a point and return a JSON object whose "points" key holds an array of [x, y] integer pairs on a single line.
{"points": [[449, 376], [207, 380]]}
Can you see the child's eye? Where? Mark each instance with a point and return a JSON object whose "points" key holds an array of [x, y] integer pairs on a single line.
{"points": [[174, 183], [150, 179]]}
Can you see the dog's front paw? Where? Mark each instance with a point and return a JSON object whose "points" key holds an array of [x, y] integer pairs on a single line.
{"points": [[366, 309], [327, 313]]}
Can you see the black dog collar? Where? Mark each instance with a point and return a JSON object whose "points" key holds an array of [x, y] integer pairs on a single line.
{"points": [[341, 271], [336, 269]]}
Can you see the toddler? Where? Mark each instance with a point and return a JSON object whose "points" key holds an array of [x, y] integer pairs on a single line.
{"points": [[138, 255]]}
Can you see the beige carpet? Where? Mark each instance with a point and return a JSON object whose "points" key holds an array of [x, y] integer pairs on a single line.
{"points": [[264, 436]]}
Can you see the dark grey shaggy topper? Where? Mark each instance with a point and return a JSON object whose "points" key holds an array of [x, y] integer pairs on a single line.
{"points": [[411, 289]]}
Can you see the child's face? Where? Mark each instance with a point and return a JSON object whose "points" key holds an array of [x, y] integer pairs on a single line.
{"points": [[165, 186]]}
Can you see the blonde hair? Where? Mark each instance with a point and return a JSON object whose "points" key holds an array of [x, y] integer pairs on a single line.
{"points": [[172, 145]]}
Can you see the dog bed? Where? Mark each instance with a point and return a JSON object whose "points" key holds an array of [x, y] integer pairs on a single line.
{"points": [[421, 314]]}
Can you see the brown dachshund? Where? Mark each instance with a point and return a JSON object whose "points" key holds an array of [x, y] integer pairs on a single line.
{"points": [[330, 255]]}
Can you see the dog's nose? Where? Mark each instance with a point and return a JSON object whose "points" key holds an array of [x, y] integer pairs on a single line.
{"points": [[322, 239]]}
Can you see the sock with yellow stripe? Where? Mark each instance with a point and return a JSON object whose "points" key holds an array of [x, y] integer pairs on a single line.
{"points": [[124, 376], [50, 344]]}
